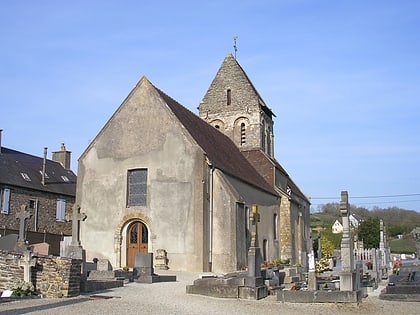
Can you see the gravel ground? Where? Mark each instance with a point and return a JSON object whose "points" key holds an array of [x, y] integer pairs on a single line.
{"points": [[170, 298]]}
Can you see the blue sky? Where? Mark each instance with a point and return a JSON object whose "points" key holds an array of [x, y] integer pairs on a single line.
{"points": [[342, 77]]}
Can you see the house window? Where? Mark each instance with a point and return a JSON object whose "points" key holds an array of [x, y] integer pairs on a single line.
{"points": [[229, 97], [243, 135], [65, 178], [137, 188], [32, 203], [61, 210], [25, 177], [5, 200], [275, 222]]}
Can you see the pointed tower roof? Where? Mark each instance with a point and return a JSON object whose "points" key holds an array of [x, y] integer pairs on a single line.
{"points": [[232, 74]]}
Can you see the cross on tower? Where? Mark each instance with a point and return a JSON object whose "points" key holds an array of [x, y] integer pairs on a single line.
{"points": [[22, 215], [75, 217]]}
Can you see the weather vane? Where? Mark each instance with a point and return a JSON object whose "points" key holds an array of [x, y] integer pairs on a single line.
{"points": [[235, 48]]}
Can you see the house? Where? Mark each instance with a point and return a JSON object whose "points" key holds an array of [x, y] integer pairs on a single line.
{"points": [[337, 227], [415, 233], [355, 221], [159, 177], [233, 105], [47, 187]]}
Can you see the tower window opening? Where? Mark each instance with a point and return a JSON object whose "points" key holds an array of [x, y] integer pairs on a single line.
{"points": [[228, 97], [243, 136]]}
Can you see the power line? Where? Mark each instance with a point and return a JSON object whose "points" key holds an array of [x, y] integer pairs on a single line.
{"points": [[366, 197]]}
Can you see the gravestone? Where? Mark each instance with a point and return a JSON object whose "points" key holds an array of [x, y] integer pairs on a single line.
{"points": [[143, 270], [40, 248], [405, 285], [9, 242], [103, 271], [27, 262]]}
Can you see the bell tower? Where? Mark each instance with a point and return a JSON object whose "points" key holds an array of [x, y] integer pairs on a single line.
{"points": [[233, 105]]}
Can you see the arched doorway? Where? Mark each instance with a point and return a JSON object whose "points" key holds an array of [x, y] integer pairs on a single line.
{"points": [[137, 240]]}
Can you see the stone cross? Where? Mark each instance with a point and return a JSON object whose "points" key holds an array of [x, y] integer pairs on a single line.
{"points": [[76, 217], [254, 218], [27, 262], [22, 215], [347, 259]]}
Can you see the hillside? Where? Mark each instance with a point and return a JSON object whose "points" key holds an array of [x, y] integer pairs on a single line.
{"points": [[397, 220]]}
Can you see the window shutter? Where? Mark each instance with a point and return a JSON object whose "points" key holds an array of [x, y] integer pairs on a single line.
{"points": [[61, 209], [5, 202]]}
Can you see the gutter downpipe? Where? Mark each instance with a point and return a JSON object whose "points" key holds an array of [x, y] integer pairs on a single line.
{"points": [[211, 218]]}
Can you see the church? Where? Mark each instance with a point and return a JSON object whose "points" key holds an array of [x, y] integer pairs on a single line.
{"points": [[159, 177]]}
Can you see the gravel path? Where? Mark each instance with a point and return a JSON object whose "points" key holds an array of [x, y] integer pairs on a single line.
{"points": [[170, 298]]}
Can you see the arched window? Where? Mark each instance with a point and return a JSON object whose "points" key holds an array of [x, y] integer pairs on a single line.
{"points": [[243, 135], [269, 141]]}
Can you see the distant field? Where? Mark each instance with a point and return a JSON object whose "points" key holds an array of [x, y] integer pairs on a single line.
{"points": [[403, 246]]}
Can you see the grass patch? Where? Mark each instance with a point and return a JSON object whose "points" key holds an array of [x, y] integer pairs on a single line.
{"points": [[402, 246]]}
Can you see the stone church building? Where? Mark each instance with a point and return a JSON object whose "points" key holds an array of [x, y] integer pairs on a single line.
{"points": [[157, 176]]}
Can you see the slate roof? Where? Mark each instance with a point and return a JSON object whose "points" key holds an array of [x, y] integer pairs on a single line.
{"points": [[220, 149], [14, 163]]}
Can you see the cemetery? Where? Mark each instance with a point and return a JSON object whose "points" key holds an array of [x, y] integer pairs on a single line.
{"points": [[30, 270]]}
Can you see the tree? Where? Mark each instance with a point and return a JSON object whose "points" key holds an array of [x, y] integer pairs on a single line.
{"points": [[369, 232]]}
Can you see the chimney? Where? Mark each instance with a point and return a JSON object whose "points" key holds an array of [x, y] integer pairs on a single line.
{"points": [[63, 156], [44, 161]]}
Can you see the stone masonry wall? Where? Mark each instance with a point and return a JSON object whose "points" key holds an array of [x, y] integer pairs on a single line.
{"points": [[47, 204], [10, 272], [52, 276]]}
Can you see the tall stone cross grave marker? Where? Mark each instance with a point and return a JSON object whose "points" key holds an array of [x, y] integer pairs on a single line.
{"points": [[254, 254], [22, 215], [347, 276], [75, 217]]}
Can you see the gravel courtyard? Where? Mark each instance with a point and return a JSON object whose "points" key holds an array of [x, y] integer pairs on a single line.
{"points": [[170, 298]]}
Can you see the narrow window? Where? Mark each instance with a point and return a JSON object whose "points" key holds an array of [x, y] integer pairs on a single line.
{"points": [[61, 210], [275, 222], [229, 96], [243, 135], [137, 188], [5, 200], [263, 136], [269, 141]]}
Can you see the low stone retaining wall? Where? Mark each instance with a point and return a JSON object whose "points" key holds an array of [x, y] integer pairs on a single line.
{"points": [[51, 276]]}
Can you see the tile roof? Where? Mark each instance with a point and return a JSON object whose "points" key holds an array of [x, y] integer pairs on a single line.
{"points": [[220, 149], [15, 166]]}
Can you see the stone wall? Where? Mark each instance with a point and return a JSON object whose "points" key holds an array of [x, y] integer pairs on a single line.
{"points": [[44, 219], [52, 276]]}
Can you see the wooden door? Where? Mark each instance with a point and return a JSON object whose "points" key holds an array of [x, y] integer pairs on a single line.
{"points": [[137, 238]]}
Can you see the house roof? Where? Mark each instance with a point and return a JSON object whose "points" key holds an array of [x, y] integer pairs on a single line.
{"points": [[220, 150], [25, 170]]}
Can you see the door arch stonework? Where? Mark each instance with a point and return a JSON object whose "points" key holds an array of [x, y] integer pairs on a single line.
{"points": [[120, 236]]}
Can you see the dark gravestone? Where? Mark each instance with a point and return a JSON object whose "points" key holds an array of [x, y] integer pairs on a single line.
{"points": [[8, 242], [143, 271]]}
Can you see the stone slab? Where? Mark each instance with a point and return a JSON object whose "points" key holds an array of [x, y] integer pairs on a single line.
{"points": [[101, 275], [155, 278], [98, 285], [219, 291], [320, 296], [252, 293]]}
